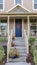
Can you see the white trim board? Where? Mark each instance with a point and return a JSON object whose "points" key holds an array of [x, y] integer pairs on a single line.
{"points": [[16, 6]]}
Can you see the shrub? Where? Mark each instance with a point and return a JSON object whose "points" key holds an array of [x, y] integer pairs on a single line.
{"points": [[35, 56], [31, 40], [1, 53], [2, 39]]}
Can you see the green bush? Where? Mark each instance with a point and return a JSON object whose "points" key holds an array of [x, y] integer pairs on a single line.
{"points": [[32, 49], [2, 39], [1, 53], [35, 56], [31, 40]]}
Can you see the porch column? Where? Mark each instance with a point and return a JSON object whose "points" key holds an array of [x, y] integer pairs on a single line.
{"points": [[28, 26], [8, 39], [28, 33], [14, 26]]}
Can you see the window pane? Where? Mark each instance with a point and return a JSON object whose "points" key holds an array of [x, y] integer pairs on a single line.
{"points": [[4, 27], [35, 4], [33, 33], [1, 1], [35, 1], [33, 27], [3, 22], [18, 2], [33, 21], [1, 6]]}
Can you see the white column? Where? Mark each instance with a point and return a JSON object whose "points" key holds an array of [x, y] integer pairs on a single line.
{"points": [[28, 26], [28, 33], [8, 39], [14, 26], [22, 27]]}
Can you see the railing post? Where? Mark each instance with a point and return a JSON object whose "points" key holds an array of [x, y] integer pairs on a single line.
{"points": [[28, 34], [26, 40], [28, 26], [8, 39]]}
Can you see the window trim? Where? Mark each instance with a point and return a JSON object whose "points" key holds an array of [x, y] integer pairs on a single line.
{"points": [[33, 5], [3, 6], [18, 4]]}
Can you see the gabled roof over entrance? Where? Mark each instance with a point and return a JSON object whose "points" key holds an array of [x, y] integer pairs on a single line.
{"points": [[18, 9]]}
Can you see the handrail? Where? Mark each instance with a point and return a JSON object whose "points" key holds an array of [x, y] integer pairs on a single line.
{"points": [[9, 44], [11, 35], [26, 40]]}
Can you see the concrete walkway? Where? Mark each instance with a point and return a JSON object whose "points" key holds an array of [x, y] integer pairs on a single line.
{"points": [[17, 63]]}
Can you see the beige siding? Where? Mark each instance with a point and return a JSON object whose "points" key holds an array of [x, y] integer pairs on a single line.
{"points": [[25, 25], [27, 4], [8, 4], [11, 25]]}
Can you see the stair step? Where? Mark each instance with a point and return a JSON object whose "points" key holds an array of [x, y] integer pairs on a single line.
{"points": [[20, 48], [18, 59], [20, 42], [23, 54], [23, 51], [20, 45]]}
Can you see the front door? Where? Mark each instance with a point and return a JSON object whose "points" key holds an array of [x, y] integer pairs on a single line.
{"points": [[18, 27]]}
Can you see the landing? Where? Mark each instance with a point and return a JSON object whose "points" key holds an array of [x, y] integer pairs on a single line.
{"points": [[18, 63]]}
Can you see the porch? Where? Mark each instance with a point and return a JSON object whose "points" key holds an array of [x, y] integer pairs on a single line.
{"points": [[27, 22]]}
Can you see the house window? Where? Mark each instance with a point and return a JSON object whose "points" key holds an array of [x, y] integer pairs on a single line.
{"points": [[3, 28], [33, 27], [1, 4], [18, 2], [35, 4]]}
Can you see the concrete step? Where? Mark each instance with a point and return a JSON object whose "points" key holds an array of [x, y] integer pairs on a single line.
{"points": [[20, 45], [22, 51], [20, 59], [22, 55], [20, 48], [17, 63], [17, 38], [19, 42]]}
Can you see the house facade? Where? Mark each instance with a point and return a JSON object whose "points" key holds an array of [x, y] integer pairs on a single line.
{"points": [[18, 18]]}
